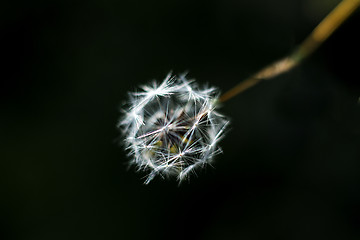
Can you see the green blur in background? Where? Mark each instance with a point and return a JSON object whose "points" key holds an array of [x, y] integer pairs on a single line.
{"points": [[290, 167]]}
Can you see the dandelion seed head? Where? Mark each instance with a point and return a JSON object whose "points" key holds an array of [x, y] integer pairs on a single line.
{"points": [[173, 128]]}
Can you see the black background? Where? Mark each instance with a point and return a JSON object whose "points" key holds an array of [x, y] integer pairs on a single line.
{"points": [[290, 167]]}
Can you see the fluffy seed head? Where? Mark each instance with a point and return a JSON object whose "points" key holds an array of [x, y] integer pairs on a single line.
{"points": [[172, 128]]}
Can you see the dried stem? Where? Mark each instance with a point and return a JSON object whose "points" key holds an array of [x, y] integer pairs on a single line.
{"points": [[325, 28]]}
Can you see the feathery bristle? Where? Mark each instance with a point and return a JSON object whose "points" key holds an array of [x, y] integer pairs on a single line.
{"points": [[172, 128]]}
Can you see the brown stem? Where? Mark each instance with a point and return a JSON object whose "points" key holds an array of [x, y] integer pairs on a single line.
{"points": [[325, 28]]}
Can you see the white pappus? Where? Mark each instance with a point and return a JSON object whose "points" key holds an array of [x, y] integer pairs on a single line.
{"points": [[172, 128]]}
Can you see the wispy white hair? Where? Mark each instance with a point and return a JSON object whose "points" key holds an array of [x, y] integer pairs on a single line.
{"points": [[172, 128]]}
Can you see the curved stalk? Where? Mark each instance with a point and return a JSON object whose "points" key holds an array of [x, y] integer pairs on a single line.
{"points": [[325, 28]]}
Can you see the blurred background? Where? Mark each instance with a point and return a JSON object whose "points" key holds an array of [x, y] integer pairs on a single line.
{"points": [[290, 167]]}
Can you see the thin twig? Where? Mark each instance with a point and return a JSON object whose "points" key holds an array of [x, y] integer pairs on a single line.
{"points": [[325, 28]]}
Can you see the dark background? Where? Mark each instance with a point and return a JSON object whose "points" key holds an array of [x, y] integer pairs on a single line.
{"points": [[290, 167]]}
